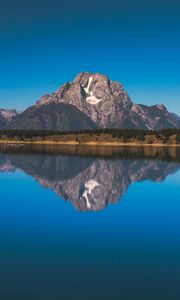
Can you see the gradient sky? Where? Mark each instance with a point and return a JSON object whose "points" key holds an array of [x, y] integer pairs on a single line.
{"points": [[45, 43]]}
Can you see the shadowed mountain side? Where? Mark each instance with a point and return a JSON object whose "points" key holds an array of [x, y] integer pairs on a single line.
{"points": [[52, 117], [90, 184]]}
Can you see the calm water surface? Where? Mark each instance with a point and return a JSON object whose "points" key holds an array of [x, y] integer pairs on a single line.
{"points": [[80, 223]]}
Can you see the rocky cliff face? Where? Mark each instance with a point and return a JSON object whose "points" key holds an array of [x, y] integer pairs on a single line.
{"points": [[107, 104], [6, 116]]}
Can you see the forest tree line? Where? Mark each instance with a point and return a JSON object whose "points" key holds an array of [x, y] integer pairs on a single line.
{"points": [[124, 134]]}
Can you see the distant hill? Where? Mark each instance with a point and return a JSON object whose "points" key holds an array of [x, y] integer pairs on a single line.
{"points": [[6, 116], [93, 100]]}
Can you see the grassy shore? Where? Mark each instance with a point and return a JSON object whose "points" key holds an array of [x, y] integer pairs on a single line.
{"points": [[87, 143], [94, 138]]}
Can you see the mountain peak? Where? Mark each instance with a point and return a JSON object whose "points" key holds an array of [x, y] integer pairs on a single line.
{"points": [[92, 88], [104, 102], [161, 106], [83, 77]]}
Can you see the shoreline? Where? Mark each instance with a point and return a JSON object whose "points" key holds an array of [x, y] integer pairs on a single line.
{"points": [[92, 144]]}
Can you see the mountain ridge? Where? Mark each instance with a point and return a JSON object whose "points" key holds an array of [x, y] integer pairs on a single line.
{"points": [[105, 103]]}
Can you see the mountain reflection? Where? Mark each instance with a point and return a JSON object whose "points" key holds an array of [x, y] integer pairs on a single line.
{"points": [[91, 182]]}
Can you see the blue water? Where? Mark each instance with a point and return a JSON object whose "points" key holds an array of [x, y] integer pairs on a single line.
{"points": [[56, 247]]}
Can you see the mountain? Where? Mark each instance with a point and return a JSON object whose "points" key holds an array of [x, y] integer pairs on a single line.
{"points": [[99, 99], [6, 116], [52, 116], [89, 183]]}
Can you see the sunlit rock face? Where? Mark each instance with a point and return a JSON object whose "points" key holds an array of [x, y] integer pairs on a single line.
{"points": [[89, 183], [109, 105], [95, 95]]}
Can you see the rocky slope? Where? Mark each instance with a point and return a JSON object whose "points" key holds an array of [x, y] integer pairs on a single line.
{"points": [[52, 116], [94, 97], [6, 116]]}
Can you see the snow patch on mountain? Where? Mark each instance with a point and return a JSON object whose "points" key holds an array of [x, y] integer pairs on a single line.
{"points": [[93, 100], [88, 86]]}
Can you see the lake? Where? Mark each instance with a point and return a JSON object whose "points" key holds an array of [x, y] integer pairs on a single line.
{"points": [[89, 223]]}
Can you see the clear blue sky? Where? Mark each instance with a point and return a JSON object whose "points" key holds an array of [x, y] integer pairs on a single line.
{"points": [[45, 43]]}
